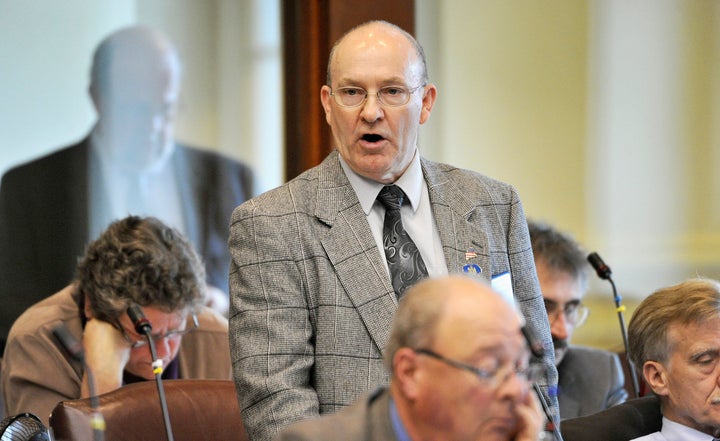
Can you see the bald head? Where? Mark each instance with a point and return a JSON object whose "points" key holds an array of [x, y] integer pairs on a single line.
{"points": [[133, 54], [450, 308], [135, 85], [380, 34]]}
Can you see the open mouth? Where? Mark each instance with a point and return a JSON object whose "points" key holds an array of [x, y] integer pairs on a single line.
{"points": [[372, 138]]}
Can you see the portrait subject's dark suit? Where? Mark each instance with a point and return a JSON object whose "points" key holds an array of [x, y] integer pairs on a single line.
{"points": [[44, 220], [366, 420], [590, 380], [311, 300]]}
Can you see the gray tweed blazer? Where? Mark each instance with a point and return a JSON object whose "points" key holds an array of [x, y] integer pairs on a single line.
{"points": [[311, 301]]}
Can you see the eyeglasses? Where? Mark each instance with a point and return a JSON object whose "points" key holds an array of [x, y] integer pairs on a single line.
{"points": [[389, 95], [575, 312], [531, 373], [169, 335]]}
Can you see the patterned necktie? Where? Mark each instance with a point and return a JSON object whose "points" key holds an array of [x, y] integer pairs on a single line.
{"points": [[403, 257]]}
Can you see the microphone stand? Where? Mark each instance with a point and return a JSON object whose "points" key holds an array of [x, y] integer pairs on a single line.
{"points": [[536, 348], [603, 271], [75, 350], [142, 326], [97, 422]]}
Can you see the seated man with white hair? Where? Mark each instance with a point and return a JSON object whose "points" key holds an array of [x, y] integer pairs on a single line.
{"points": [[459, 365]]}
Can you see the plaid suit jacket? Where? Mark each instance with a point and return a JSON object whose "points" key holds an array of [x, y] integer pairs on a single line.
{"points": [[312, 304]]}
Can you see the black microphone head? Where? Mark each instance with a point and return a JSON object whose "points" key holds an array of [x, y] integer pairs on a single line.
{"points": [[69, 342], [140, 322], [602, 270]]}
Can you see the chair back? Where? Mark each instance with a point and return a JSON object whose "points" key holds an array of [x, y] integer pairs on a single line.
{"points": [[632, 419], [198, 409]]}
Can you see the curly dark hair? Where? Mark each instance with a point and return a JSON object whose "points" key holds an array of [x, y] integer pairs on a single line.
{"points": [[143, 261]]}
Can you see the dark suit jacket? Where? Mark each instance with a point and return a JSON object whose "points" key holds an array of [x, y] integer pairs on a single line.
{"points": [[590, 380], [624, 422], [312, 303], [44, 220], [366, 420]]}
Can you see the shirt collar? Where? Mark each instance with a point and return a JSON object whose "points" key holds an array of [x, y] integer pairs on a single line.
{"points": [[410, 182], [672, 431], [397, 424]]}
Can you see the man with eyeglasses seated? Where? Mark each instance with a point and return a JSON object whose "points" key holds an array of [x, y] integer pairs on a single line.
{"points": [[590, 380], [135, 261], [459, 371]]}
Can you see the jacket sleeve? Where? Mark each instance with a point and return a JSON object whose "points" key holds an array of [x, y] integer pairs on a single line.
{"points": [[271, 337], [36, 375], [527, 294]]}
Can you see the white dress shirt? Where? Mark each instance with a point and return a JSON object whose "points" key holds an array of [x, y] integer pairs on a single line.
{"points": [[115, 192], [672, 431], [417, 216]]}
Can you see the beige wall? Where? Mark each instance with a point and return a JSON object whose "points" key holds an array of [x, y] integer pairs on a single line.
{"points": [[604, 115]]}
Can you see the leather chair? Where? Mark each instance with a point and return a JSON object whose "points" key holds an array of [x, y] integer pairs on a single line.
{"points": [[626, 421], [198, 409]]}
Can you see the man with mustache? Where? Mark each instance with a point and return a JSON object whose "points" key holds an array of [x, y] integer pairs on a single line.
{"points": [[590, 380]]}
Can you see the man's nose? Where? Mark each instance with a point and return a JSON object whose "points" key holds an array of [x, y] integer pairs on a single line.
{"points": [[559, 327], [372, 109]]}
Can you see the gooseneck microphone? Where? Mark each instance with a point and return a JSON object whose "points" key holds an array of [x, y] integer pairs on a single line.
{"points": [[74, 348], [536, 348], [142, 326], [603, 271]]}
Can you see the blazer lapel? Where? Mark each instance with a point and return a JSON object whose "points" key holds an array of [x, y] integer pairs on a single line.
{"points": [[464, 242], [351, 248]]}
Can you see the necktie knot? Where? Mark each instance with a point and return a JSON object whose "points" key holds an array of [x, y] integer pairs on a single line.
{"points": [[391, 196]]}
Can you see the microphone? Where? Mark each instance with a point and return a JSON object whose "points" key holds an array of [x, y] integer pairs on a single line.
{"points": [[74, 348], [142, 326], [603, 271], [140, 322], [536, 348]]}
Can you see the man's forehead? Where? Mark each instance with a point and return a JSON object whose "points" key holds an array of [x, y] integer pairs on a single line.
{"points": [[388, 50]]}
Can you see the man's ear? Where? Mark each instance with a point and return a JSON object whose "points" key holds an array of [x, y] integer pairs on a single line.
{"points": [[405, 372], [428, 101], [325, 98], [656, 377]]}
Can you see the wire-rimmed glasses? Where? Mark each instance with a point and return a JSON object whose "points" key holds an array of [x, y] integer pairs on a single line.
{"points": [[495, 377], [169, 335], [393, 96], [574, 311]]}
